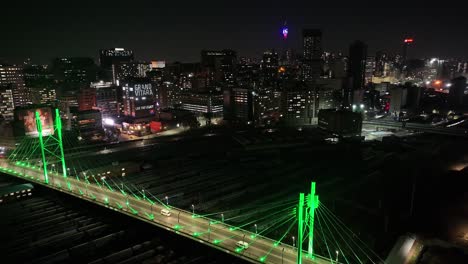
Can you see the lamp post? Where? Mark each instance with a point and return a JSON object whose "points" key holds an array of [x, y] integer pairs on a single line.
{"points": [[144, 196], [256, 229], [167, 200], [222, 218], [337, 253], [294, 241], [282, 256], [193, 209]]}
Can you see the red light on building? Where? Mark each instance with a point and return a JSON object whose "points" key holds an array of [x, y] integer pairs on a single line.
{"points": [[409, 40]]}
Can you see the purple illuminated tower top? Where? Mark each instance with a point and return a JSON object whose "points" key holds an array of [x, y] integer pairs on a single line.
{"points": [[285, 31]]}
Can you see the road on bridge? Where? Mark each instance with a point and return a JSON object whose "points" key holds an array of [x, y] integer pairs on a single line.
{"points": [[211, 232]]}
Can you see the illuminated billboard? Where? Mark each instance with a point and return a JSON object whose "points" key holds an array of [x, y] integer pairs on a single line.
{"points": [[27, 118]]}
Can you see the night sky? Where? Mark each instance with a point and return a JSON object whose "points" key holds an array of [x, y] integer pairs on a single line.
{"points": [[178, 30]]}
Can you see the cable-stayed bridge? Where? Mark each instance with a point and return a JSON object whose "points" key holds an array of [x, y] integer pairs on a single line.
{"points": [[315, 226]]}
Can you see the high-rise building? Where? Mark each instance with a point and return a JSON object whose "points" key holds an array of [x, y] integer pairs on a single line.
{"points": [[110, 57], [106, 98], [125, 70], [238, 105], [203, 103], [406, 43], [43, 95], [220, 65], [457, 91], [296, 105], [7, 106], [356, 72], [74, 73], [312, 44], [12, 75], [86, 99], [269, 65], [370, 69], [138, 97]]}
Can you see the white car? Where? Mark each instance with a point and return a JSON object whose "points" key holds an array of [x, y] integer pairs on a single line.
{"points": [[166, 212], [242, 244]]}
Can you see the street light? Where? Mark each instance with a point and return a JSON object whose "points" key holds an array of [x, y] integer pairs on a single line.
{"points": [[222, 218], [255, 228], [294, 241], [144, 196], [337, 253], [167, 200], [193, 209]]}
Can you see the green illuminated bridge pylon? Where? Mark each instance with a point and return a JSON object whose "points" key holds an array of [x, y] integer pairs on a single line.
{"points": [[305, 220], [51, 145]]}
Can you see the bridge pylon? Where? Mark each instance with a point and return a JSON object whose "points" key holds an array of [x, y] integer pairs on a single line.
{"points": [[51, 145], [305, 219]]}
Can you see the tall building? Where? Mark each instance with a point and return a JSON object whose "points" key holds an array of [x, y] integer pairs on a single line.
{"points": [[203, 103], [370, 69], [312, 44], [106, 98], [296, 105], [406, 43], [110, 57], [138, 98], [7, 106], [269, 65], [86, 99], [12, 75], [238, 105], [457, 91], [123, 71], [74, 73], [43, 96], [220, 65], [356, 72]]}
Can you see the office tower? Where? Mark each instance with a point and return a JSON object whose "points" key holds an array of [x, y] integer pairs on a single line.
{"points": [[43, 95], [312, 44], [12, 75], [296, 104], [106, 98], [220, 66], [138, 97], [370, 69], [238, 105], [457, 91], [356, 72], [269, 65], [86, 99], [74, 73], [108, 58], [7, 106], [381, 59], [125, 70], [406, 43], [38, 76], [206, 103]]}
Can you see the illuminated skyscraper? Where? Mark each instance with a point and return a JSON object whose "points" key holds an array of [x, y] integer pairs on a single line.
{"points": [[108, 58], [6, 102], [312, 44], [12, 75], [220, 66]]}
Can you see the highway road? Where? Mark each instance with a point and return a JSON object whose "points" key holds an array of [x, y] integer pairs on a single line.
{"points": [[204, 230], [452, 131]]}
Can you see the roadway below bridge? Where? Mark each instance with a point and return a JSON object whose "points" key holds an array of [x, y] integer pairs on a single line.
{"points": [[203, 230], [451, 131]]}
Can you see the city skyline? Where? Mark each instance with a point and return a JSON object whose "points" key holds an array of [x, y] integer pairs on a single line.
{"points": [[156, 32]]}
